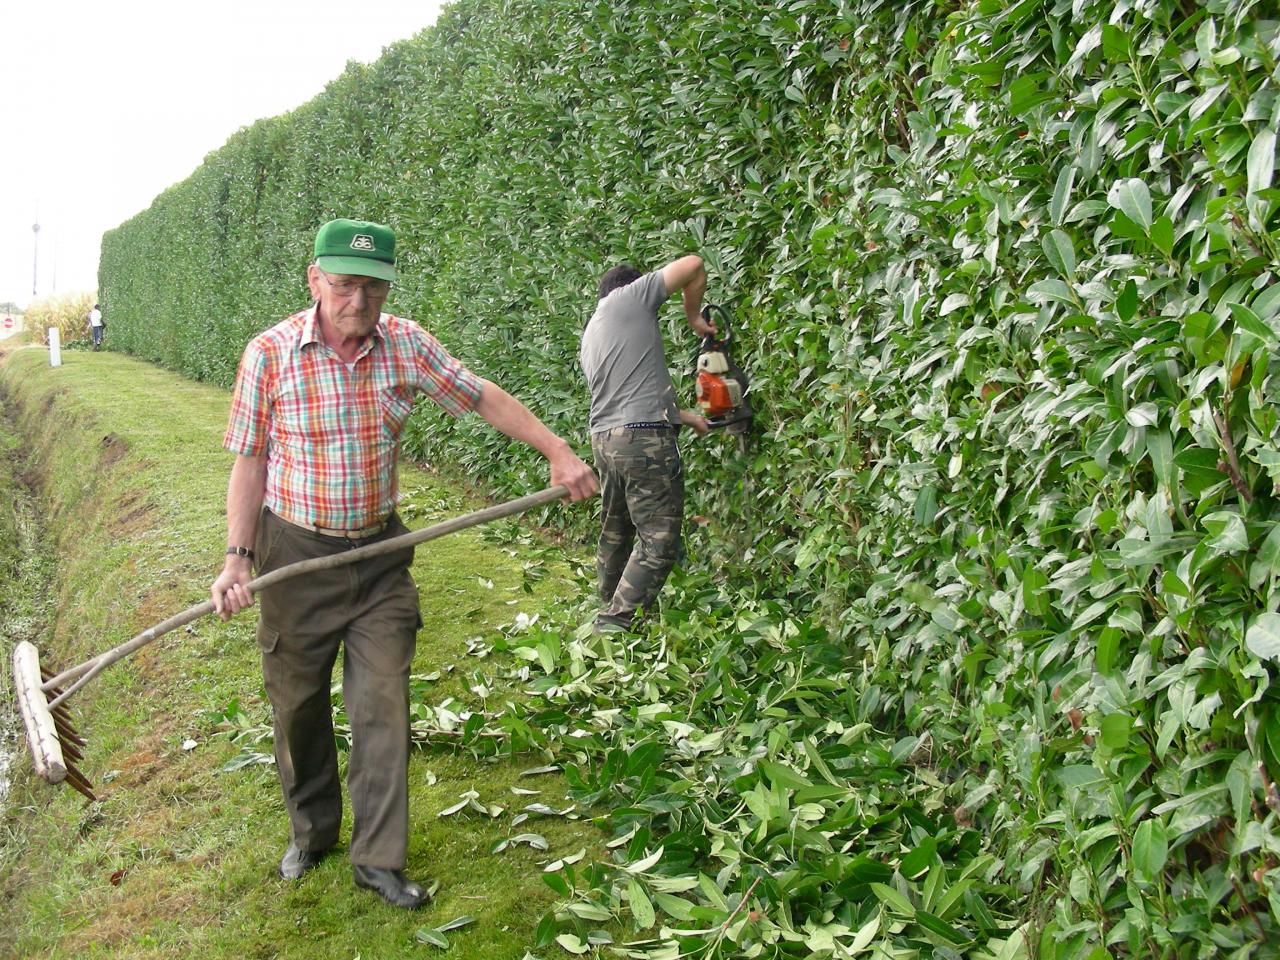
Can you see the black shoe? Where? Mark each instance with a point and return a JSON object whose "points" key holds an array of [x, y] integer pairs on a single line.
{"points": [[392, 885], [297, 862]]}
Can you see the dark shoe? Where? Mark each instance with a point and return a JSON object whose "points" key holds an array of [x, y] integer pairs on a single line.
{"points": [[297, 862], [392, 885]]}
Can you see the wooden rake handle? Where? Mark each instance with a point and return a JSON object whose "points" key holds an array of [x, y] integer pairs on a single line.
{"points": [[84, 672]]}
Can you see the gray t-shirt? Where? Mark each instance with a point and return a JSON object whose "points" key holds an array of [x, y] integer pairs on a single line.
{"points": [[621, 355]]}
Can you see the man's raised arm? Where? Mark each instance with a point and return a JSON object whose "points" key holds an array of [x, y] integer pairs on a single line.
{"points": [[689, 276]]}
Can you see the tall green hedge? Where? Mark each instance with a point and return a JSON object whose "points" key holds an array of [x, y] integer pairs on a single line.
{"points": [[1005, 281]]}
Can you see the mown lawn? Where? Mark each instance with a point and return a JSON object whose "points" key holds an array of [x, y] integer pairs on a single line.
{"points": [[178, 857]]}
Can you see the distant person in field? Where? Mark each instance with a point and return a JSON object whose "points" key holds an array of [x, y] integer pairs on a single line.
{"points": [[96, 326], [319, 403], [634, 421]]}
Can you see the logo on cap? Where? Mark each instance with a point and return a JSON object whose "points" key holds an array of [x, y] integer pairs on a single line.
{"points": [[362, 241]]}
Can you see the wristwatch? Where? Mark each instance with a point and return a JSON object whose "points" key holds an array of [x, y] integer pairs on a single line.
{"points": [[240, 552]]}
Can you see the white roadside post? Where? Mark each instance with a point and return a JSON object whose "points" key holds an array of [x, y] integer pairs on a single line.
{"points": [[55, 347]]}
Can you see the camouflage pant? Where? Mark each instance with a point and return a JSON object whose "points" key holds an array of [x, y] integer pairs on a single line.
{"points": [[642, 485]]}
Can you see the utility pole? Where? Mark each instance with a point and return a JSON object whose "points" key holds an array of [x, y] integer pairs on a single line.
{"points": [[35, 254]]}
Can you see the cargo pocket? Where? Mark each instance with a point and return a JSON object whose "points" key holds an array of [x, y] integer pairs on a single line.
{"points": [[267, 638], [677, 467]]}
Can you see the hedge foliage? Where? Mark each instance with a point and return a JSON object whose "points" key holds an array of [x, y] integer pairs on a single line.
{"points": [[1005, 275]]}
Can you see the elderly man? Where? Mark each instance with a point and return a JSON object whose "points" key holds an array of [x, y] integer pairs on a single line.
{"points": [[319, 403], [634, 420]]}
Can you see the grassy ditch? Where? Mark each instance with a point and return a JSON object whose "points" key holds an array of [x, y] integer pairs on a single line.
{"points": [[23, 607], [178, 856]]}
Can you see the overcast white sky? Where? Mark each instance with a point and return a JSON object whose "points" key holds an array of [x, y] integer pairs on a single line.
{"points": [[108, 102]]}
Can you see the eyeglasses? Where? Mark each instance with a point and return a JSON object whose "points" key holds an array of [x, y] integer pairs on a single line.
{"points": [[373, 289]]}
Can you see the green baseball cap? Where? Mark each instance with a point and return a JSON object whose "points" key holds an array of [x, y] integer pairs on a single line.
{"points": [[357, 247]]}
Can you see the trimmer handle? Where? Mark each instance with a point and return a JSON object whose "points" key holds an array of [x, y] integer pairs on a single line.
{"points": [[722, 326]]}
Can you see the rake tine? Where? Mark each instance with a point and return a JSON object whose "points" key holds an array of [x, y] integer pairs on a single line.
{"points": [[71, 750], [68, 735], [78, 782], [61, 711], [66, 732], [74, 771], [67, 738]]}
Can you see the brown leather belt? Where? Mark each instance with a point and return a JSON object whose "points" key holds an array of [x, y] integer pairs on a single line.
{"points": [[361, 534]]}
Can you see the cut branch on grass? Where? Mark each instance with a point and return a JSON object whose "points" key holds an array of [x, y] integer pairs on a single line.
{"points": [[457, 734], [724, 927]]}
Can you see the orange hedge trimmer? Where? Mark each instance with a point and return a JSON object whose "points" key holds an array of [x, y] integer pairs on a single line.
{"points": [[721, 387], [42, 700]]}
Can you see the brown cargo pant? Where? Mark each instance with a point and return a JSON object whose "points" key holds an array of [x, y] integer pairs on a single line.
{"points": [[642, 506], [370, 609]]}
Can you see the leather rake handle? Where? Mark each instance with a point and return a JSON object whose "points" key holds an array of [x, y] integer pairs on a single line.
{"points": [[84, 672]]}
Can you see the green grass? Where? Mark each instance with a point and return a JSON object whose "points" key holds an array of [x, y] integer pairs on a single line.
{"points": [[178, 858]]}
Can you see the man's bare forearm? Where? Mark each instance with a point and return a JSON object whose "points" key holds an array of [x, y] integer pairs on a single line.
{"points": [[245, 493]]}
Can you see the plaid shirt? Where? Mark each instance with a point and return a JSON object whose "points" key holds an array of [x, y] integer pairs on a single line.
{"points": [[330, 432]]}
